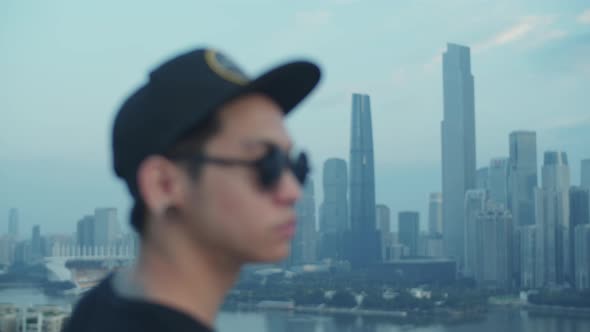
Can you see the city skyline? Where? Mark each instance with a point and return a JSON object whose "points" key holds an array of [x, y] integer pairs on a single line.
{"points": [[530, 58]]}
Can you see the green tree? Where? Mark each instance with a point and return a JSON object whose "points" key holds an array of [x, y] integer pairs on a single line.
{"points": [[342, 299]]}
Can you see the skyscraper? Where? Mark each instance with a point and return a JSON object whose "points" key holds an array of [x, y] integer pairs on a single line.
{"points": [[435, 214], [492, 250], [585, 170], [334, 209], [36, 242], [384, 224], [303, 245], [13, 223], [528, 256], [552, 215], [408, 230], [475, 203], [522, 177], [585, 175], [85, 232], [106, 227], [458, 145], [582, 256], [579, 215], [383, 218], [498, 182], [363, 240], [482, 178], [579, 210]]}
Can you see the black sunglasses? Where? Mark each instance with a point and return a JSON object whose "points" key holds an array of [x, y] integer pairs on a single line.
{"points": [[269, 167]]}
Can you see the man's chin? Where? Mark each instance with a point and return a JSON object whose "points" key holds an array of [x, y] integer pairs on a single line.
{"points": [[276, 255]]}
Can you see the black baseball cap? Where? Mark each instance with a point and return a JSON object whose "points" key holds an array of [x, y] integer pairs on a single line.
{"points": [[184, 91]]}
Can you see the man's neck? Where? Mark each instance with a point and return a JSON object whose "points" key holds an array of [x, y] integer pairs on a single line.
{"points": [[194, 282]]}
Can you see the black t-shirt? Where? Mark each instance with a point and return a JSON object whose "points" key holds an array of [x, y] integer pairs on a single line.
{"points": [[102, 310]]}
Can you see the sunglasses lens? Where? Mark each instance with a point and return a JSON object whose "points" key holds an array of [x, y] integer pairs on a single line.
{"points": [[270, 168], [300, 168]]}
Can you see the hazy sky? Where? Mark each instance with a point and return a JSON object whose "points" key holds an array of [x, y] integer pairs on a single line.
{"points": [[65, 66]]}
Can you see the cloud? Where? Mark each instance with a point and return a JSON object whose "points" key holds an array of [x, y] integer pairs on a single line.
{"points": [[434, 62], [584, 18], [314, 18], [529, 27]]}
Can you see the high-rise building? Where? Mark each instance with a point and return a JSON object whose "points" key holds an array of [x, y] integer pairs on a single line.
{"points": [[36, 242], [522, 181], [303, 246], [106, 227], [528, 256], [384, 223], [435, 214], [579, 210], [552, 215], [23, 252], [383, 218], [363, 241], [458, 146], [475, 203], [408, 230], [579, 215], [482, 178], [492, 250], [498, 182], [13, 223], [85, 232], [7, 244], [334, 209], [434, 245], [585, 176], [522, 177], [582, 256]]}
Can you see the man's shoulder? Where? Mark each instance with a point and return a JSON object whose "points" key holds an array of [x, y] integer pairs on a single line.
{"points": [[101, 309], [98, 310]]}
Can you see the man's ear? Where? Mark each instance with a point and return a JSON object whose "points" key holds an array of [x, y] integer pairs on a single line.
{"points": [[161, 184]]}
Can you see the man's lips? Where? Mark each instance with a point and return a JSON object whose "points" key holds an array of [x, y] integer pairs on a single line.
{"points": [[288, 229]]}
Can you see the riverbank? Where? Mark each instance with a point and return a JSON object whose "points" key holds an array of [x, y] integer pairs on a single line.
{"points": [[556, 310], [420, 317], [515, 303]]}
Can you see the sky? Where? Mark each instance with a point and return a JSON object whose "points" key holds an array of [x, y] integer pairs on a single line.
{"points": [[66, 66]]}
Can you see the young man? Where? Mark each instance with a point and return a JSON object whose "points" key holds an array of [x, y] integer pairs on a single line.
{"points": [[204, 152]]}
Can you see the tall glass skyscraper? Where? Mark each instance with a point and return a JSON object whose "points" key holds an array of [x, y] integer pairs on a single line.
{"points": [[498, 182], [334, 209], [475, 203], [303, 244], [458, 146], [522, 177], [408, 230], [552, 216], [435, 214], [363, 240]]}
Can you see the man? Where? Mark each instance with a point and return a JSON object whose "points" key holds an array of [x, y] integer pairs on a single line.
{"points": [[204, 152]]}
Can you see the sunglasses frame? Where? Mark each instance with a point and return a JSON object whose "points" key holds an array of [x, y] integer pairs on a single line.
{"points": [[269, 168]]}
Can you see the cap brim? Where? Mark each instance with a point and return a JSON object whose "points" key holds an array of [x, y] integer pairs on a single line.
{"points": [[288, 84]]}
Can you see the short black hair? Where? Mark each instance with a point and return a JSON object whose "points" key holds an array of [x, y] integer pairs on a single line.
{"points": [[191, 142]]}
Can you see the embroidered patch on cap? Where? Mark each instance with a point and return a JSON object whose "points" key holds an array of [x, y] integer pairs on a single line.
{"points": [[225, 68]]}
